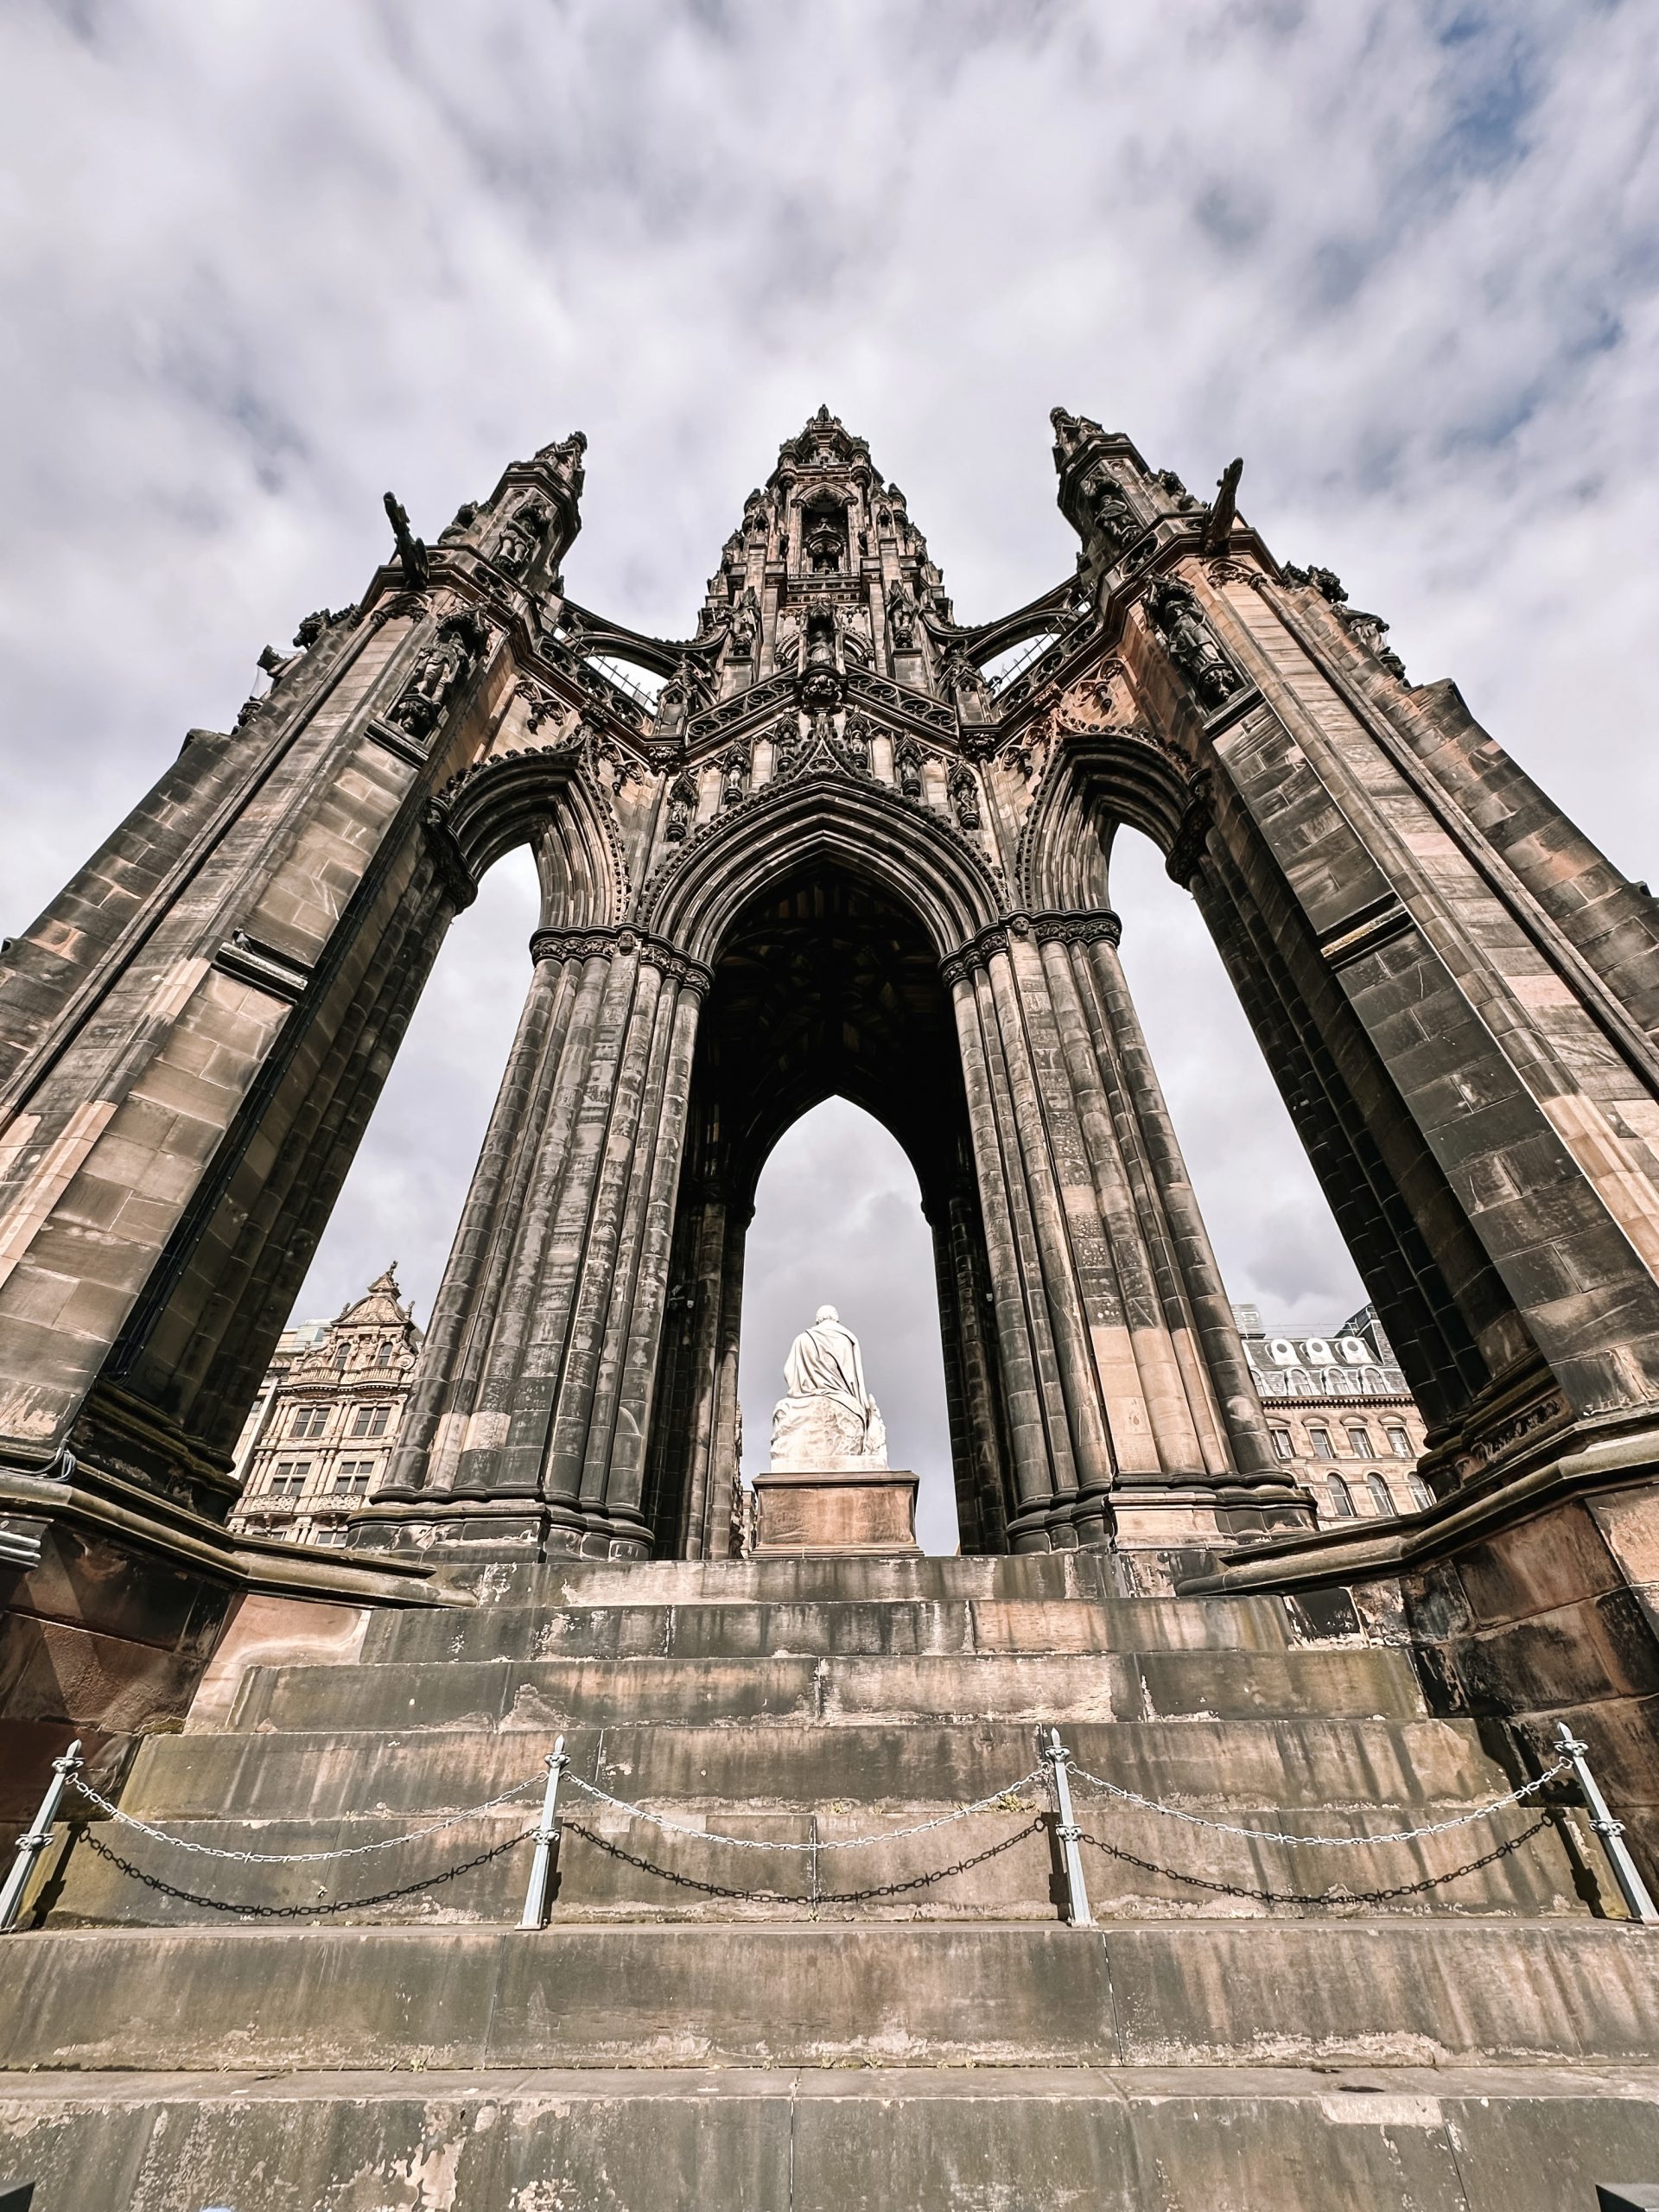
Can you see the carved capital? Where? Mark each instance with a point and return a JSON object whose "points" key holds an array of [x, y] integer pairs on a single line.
{"points": [[657, 952]]}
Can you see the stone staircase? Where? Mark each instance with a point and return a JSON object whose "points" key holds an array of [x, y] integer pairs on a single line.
{"points": [[703, 2025]]}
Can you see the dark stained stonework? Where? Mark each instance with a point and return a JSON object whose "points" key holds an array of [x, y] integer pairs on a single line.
{"points": [[810, 848]]}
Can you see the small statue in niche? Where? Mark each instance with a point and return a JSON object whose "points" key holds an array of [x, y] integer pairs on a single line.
{"points": [[963, 787], [682, 805], [901, 616], [734, 775], [522, 533], [755, 520], [445, 664], [907, 767], [1110, 511], [1175, 616], [743, 628], [824, 546], [855, 744]]}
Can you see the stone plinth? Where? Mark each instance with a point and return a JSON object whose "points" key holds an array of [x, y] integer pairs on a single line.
{"points": [[863, 1510]]}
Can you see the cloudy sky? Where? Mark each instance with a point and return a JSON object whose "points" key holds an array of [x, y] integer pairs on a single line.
{"points": [[261, 261]]}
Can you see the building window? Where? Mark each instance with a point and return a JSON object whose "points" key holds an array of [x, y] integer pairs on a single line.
{"points": [[342, 1353], [1342, 1503], [352, 1478], [287, 1478], [1379, 1491], [1282, 1445], [328, 1536], [308, 1420], [370, 1420], [1319, 1439], [1399, 1443], [1420, 1493], [1359, 1442]]}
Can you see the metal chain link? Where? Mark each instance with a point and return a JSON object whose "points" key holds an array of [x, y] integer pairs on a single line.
{"points": [[300, 1858], [1328, 1897], [1325, 1842], [824, 1896], [998, 1798], [95, 1843]]}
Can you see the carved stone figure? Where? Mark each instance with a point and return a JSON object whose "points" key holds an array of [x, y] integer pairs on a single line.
{"points": [[1175, 616], [1218, 525], [522, 533], [744, 627], [682, 805], [901, 616], [459, 523], [963, 787], [733, 775], [445, 664], [908, 759], [855, 743], [827, 1420], [1110, 511]]}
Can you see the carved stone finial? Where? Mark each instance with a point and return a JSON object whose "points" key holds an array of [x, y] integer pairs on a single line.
{"points": [[411, 552], [1218, 525]]}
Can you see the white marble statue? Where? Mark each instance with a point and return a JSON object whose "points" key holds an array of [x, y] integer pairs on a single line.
{"points": [[827, 1420]]}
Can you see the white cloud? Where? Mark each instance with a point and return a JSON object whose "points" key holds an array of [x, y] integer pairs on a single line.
{"points": [[259, 263]]}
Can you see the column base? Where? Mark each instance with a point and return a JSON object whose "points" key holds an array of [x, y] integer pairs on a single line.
{"points": [[441, 1525]]}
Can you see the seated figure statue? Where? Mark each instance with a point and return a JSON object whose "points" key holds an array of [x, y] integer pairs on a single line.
{"points": [[827, 1420]]}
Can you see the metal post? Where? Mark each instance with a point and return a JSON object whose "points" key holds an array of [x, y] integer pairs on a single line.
{"points": [[536, 1897], [1637, 1902], [34, 1841], [1077, 1913]]}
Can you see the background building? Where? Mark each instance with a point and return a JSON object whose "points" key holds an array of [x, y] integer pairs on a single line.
{"points": [[317, 1439], [1339, 1412]]}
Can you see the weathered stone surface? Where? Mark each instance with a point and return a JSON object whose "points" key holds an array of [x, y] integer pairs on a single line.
{"points": [[849, 1511]]}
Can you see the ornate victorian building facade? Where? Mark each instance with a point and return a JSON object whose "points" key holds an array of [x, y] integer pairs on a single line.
{"points": [[836, 840], [317, 1441], [1341, 1414]]}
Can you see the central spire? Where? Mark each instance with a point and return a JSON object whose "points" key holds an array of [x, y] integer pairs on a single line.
{"points": [[826, 559]]}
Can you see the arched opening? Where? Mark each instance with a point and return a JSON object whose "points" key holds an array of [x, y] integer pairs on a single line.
{"points": [[838, 1219], [824, 986], [401, 1196], [1274, 1234]]}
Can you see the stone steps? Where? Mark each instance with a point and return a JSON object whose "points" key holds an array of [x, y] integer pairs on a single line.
{"points": [[1167, 1870], [1384, 1991], [748, 1629], [1114, 2139], [1361, 1683], [790, 1765]]}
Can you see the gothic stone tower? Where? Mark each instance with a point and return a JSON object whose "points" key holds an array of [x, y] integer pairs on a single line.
{"points": [[837, 842]]}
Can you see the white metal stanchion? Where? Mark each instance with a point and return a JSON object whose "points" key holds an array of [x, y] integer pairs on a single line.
{"points": [[1626, 1873], [34, 1841], [1077, 1913], [536, 1897]]}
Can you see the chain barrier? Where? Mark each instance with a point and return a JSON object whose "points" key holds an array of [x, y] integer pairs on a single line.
{"points": [[999, 1799], [1325, 1897], [1327, 1842], [821, 1896], [96, 1844], [299, 1858]]}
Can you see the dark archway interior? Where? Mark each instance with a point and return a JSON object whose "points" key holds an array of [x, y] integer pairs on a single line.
{"points": [[824, 987]]}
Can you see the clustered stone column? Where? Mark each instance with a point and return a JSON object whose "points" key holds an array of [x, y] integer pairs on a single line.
{"points": [[532, 1409], [1128, 1404]]}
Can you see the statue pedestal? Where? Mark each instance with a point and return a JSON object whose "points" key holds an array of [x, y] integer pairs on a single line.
{"points": [[851, 1510]]}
